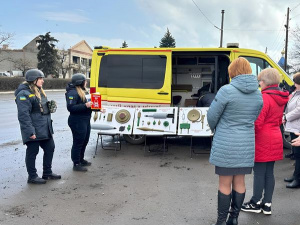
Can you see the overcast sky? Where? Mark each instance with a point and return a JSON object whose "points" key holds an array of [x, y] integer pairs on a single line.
{"points": [[254, 24]]}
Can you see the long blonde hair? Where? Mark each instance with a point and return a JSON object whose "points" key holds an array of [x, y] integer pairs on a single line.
{"points": [[81, 93], [37, 92]]}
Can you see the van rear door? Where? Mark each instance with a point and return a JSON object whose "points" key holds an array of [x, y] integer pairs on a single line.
{"points": [[131, 77]]}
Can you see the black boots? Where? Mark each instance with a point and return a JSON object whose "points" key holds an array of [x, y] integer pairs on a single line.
{"points": [[79, 168], [51, 176], [294, 184], [36, 180], [223, 208], [289, 179], [85, 163], [236, 204]]}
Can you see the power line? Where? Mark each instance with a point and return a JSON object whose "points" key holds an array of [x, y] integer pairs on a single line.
{"points": [[295, 16], [236, 29], [205, 16], [278, 45], [275, 40], [295, 7]]}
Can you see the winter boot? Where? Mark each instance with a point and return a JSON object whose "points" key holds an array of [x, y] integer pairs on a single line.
{"points": [[289, 179], [79, 168], [223, 208], [236, 204], [51, 176], [36, 180], [85, 163]]}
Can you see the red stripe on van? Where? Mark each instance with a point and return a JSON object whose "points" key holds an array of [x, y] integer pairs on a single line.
{"points": [[132, 50], [138, 102]]}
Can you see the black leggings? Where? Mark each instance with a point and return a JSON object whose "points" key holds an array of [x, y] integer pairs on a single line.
{"points": [[264, 181]]}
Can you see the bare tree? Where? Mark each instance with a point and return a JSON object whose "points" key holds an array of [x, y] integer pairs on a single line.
{"points": [[63, 65], [5, 38], [295, 51], [23, 64]]}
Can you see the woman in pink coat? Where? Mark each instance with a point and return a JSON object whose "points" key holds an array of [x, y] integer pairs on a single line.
{"points": [[268, 141]]}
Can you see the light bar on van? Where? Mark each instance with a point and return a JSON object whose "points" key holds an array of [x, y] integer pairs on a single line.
{"points": [[232, 45]]}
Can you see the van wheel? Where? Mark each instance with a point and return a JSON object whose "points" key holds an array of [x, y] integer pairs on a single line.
{"points": [[134, 139]]}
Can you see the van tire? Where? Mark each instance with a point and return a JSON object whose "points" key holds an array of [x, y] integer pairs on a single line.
{"points": [[134, 139]]}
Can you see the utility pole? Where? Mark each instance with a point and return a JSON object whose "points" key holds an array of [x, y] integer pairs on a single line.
{"points": [[222, 27], [286, 38]]}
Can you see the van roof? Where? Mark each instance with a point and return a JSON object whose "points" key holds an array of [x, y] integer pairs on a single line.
{"points": [[104, 49]]}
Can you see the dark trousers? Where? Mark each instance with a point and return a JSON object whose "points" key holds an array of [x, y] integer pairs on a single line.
{"points": [[264, 181], [296, 151], [31, 152], [81, 129]]}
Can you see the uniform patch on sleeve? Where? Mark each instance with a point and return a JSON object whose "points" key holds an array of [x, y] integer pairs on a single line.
{"points": [[31, 95], [22, 98], [71, 97]]}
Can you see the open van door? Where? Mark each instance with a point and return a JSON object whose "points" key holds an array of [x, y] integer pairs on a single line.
{"points": [[135, 77]]}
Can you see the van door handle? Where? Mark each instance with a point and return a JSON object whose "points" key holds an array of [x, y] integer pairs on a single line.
{"points": [[163, 93]]}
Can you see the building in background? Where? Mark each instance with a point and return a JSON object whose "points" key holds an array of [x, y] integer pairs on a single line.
{"points": [[76, 59], [18, 61]]}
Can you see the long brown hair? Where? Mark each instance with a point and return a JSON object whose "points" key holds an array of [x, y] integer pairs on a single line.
{"points": [[81, 93], [35, 89]]}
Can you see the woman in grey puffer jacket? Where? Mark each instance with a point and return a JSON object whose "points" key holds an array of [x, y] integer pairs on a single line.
{"points": [[292, 125], [232, 115]]}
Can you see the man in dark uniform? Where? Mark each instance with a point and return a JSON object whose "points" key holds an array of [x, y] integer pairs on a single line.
{"points": [[36, 125]]}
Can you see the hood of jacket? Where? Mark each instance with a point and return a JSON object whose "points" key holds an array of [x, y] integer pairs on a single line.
{"points": [[70, 86], [281, 97], [246, 83], [21, 88]]}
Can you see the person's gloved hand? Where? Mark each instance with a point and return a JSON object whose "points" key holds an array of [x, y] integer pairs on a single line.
{"points": [[52, 106]]}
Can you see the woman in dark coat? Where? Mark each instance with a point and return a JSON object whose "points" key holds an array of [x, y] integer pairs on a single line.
{"points": [[268, 141], [79, 120], [36, 125]]}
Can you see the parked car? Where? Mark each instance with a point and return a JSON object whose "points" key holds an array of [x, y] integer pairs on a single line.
{"points": [[4, 74], [17, 73]]}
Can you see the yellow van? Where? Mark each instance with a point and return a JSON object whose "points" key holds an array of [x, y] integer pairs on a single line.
{"points": [[153, 77]]}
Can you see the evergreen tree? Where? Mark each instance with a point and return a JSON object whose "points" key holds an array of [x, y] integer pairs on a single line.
{"points": [[124, 45], [47, 55], [167, 41]]}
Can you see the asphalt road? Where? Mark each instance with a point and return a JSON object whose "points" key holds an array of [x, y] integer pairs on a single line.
{"points": [[132, 187]]}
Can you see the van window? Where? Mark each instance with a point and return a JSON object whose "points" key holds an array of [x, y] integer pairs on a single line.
{"points": [[187, 61], [257, 64], [132, 71]]}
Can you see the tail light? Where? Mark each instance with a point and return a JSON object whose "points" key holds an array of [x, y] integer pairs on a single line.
{"points": [[92, 90]]}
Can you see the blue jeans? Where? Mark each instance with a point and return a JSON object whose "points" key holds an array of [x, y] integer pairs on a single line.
{"points": [[264, 181]]}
